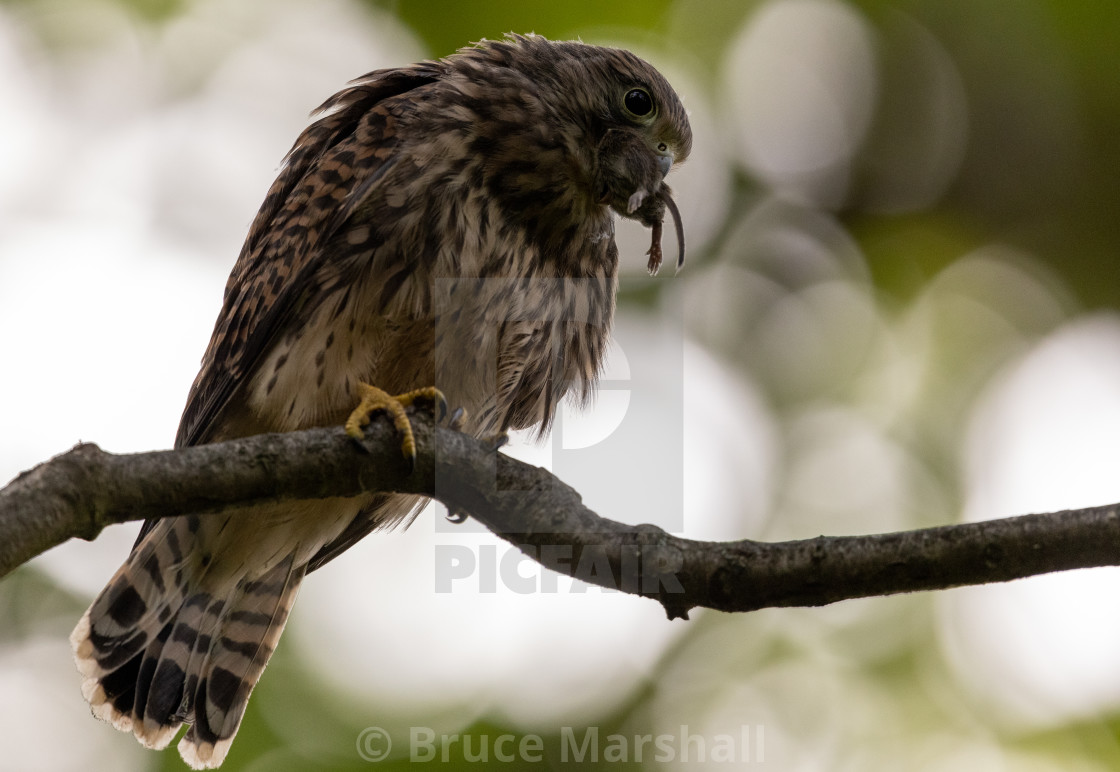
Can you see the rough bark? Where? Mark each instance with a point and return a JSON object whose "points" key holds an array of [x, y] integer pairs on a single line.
{"points": [[85, 489]]}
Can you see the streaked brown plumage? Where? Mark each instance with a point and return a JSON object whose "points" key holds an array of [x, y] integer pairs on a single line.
{"points": [[447, 223]]}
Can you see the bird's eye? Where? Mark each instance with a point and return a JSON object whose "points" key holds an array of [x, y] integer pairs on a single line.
{"points": [[638, 102]]}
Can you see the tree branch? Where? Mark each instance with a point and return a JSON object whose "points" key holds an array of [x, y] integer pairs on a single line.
{"points": [[80, 492]]}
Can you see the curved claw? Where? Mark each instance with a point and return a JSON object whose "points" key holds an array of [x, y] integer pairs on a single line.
{"points": [[458, 419], [374, 399], [496, 442]]}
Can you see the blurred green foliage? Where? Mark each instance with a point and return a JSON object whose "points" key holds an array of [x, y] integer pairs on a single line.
{"points": [[447, 25], [1040, 172]]}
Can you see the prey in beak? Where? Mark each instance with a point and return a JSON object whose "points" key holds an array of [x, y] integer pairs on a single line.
{"points": [[665, 199], [633, 185]]}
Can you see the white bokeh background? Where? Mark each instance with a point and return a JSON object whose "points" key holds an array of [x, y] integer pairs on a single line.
{"points": [[134, 155]]}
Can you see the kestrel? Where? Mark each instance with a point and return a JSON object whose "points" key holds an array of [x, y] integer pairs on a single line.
{"points": [[447, 224]]}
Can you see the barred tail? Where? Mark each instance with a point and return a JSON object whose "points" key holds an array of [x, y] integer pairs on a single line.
{"points": [[157, 650]]}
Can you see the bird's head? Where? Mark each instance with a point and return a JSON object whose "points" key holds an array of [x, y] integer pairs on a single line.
{"points": [[642, 133], [622, 125], [646, 134], [637, 127]]}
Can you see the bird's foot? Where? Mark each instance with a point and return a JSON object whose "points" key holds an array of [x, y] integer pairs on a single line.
{"points": [[374, 399]]}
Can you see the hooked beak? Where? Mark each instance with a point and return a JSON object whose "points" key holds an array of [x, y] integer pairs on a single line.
{"points": [[664, 163]]}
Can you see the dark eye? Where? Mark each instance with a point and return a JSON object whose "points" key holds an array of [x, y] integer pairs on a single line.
{"points": [[638, 102]]}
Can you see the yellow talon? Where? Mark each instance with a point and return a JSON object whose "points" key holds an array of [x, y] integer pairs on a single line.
{"points": [[374, 399]]}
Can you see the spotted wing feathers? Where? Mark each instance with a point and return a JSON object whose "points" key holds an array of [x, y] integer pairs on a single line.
{"points": [[280, 255]]}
